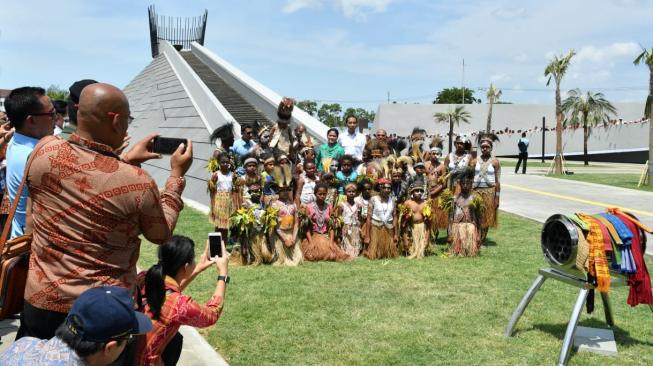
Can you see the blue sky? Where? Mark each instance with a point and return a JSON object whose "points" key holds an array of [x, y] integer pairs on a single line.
{"points": [[349, 51]]}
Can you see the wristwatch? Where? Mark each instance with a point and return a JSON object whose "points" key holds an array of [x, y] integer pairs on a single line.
{"points": [[224, 278]]}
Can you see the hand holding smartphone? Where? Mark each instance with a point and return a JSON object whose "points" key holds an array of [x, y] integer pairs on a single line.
{"points": [[215, 245], [166, 145]]}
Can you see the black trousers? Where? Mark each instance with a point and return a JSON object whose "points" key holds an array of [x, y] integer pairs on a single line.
{"points": [[39, 323], [522, 157], [172, 352]]}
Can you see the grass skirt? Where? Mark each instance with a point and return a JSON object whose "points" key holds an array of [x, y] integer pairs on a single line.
{"points": [[321, 248], [420, 241], [489, 218], [286, 256], [221, 209], [261, 251], [439, 217], [351, 240], [381, 243], [465, 241]]}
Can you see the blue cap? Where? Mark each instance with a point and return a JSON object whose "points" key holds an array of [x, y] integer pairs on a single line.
{"points": [[106, 313]]}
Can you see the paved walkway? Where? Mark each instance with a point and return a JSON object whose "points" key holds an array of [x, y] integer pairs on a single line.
{"points": [[538, 197]]}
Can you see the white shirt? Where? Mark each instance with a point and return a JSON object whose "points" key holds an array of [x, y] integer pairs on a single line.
{"points": [[382, 212], [308, 190], [488, 180], [353, 144]]}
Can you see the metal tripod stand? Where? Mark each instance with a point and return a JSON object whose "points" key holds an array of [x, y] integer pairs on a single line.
{"points": [[583, 285]]}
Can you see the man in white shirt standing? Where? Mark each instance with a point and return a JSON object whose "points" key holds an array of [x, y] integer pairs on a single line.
{"points": [[353, 141]]}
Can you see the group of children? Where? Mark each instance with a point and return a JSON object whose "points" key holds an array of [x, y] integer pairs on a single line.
{"points": [[382, 207]]}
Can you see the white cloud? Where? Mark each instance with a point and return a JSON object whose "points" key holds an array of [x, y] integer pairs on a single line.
{"points": [[297, 5], [354, 9], [607, 54], [358, 9], [522, 57]]}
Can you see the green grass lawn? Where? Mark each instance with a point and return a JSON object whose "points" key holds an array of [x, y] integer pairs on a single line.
{"points": [[435, 311], [617, 180]]}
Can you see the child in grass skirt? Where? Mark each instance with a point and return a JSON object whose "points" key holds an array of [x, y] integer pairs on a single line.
{"points": [[420, 212], [350, 211], [436, 172], [381, 223], [223, 192], [365, 187], [319, 244], [487, 173], [260, 250], [464, 221], [284, 234]]}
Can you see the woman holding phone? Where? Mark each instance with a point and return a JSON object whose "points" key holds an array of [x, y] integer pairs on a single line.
{"points": [[160, 297]]}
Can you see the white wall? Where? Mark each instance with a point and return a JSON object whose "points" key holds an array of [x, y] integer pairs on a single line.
{"points": [[402, 118]]}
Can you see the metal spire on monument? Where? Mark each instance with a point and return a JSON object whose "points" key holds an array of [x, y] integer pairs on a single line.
{"points": [[179, 31]]}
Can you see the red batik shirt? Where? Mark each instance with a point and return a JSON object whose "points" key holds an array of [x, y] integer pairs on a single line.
{"points": [[177, 310], [88, 210]]}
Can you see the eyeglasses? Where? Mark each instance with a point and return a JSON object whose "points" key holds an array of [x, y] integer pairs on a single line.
{"points": [[128, 338], [52, 113], [130, 119]]}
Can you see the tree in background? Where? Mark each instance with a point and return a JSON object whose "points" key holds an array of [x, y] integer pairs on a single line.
{"points": [[556, 70], [360, 113], [646, 57], [56, 93], [453, 115], [493, 94], [455, 96], [588, 109], [329, 114], [308, 106]]}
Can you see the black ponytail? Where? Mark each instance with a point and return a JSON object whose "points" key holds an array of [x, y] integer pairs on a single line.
{"points": [[173, 255]]}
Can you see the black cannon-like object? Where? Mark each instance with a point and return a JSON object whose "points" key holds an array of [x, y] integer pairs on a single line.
{"points": [[560, 243]]}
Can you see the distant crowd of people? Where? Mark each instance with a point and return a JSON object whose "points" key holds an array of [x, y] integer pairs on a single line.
{"points": [[284, 199]]}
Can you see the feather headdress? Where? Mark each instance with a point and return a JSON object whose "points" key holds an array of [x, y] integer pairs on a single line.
{"points": [[282, 176], [284, 111], [487, 136], [436, 141]]}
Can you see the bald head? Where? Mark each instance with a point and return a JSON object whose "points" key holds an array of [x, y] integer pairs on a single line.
{"points": [[98, 99], [103, 114]]}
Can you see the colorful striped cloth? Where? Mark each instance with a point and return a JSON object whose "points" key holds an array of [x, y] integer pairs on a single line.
{"points": [[598, 263], [628, 265]]}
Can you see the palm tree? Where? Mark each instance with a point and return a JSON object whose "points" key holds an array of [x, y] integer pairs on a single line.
{"points": [[493, 94], [646, 57], [556, 70], [588, 109], [455, 115]]}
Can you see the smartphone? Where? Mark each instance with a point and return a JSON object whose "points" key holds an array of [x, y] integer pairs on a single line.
{"points": [[166, 145], [215, 245]]}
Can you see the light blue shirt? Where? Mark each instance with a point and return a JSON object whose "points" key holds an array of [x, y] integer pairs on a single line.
{"points": [[242, 148], [29, 351], [18, 151]]}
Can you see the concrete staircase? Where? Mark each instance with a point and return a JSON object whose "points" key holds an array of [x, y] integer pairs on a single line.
{"points": [[238, 107]]}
